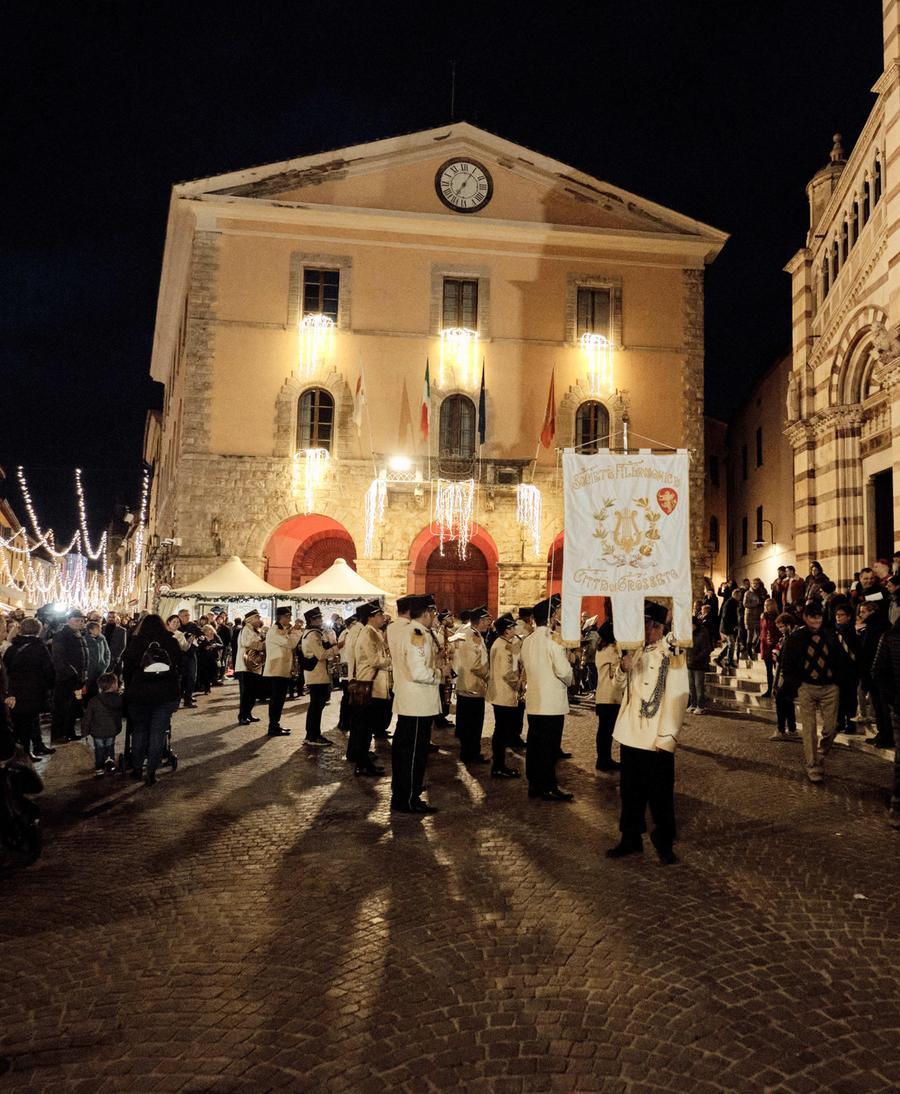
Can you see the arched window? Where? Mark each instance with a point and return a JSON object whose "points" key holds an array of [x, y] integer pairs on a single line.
{"points": [[867, 191], [835, 260], [591, 428], [714, 535], [877, 191], [845, 241], [457, 436], [825, 280], [854, 224], [315, 419]]}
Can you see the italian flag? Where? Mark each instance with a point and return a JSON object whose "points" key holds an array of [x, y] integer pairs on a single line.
{"points": [[426, 404]]}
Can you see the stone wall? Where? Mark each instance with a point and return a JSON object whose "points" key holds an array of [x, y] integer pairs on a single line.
{"points": [[692, 419]]}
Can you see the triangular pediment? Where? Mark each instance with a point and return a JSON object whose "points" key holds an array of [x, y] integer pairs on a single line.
{"points": [[399, 174]]}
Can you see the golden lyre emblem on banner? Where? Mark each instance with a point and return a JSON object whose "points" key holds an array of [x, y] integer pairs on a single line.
{"points": [[627, 543]]}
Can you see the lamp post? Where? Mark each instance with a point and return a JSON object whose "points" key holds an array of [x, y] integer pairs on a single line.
{"points": [[766, 542]]}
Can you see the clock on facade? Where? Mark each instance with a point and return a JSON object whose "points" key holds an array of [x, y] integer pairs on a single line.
{"points": [[463, 185]]}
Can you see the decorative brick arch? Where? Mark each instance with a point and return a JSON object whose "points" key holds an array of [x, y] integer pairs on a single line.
{"points": [[314, 541], [286, 412], [851, 361], [616, 406], [427, 542]]}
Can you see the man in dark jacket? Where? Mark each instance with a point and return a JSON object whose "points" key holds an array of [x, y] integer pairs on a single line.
{"points": [[30, 673], [116, 638], [812, 664], [70, 663], [887, 678], [729, 626]]}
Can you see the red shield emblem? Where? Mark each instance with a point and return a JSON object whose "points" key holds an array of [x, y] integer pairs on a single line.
{"points": [[667, 499]]}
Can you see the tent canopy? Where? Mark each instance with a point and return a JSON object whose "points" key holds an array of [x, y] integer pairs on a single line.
{"points": [[338, 582], [231, 579]]}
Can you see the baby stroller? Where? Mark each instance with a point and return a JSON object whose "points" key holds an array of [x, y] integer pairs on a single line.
{"points": [[169, 758]]}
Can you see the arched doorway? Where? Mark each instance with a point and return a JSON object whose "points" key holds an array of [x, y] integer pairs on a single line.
{"points": [[455, 583], [303, 547], [590, 605]]}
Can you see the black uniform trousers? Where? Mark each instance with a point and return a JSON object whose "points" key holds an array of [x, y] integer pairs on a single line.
{"points": [[606, 723], [318, 699], [365, 722], [505, 733], [278, 689], [409, 754], [248, 690], [647, 778], [519, 722], [469, 726], [66, 710], [542, 749]]}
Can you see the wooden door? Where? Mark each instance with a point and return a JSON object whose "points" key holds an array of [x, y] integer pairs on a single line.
{"points": [[457, 584]]}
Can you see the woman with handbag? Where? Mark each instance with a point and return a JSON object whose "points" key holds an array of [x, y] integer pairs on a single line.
{"points": [[248, 666], [370, 688]]}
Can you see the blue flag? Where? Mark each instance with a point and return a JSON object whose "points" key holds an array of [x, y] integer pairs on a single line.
{"points": [[482, 409]]}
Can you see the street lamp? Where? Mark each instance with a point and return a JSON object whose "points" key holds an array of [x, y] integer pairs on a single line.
{"points": [[766, 542]]}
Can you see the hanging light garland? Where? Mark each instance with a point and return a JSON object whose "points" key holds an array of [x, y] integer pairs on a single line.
{"points": [[459, 357], [376, 496], [82, 517], [453, 509], [310, 465], [316, 342], [528, 513], [599, 353], [46, 540]]}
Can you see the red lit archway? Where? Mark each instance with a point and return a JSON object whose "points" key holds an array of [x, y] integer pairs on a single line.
{"points": [[303, 547], [478, 575], [590, 605]]}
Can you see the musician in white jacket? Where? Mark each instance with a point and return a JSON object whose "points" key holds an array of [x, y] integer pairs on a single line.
{"points": [[417, 700], [281, 640], [470, 663], [503, 694], [652, 712], [548, 674]]}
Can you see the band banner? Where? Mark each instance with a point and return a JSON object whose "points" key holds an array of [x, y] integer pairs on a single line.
{"points": [[627, 537]]}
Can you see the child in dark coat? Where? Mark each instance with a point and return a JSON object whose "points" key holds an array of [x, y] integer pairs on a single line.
{"points": [[103, 721]]}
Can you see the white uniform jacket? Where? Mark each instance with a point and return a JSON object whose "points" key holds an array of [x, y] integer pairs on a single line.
{"points": [[348, 642], [610, 684], [312, 646], [395, 629], [280, 646], [470, 663], [503, 686], [416, 675], [372, 661], [247, 639], [548, 671], [660, 730]]}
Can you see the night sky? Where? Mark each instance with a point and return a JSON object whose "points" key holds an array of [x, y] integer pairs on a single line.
{"points": [[719, 112]]}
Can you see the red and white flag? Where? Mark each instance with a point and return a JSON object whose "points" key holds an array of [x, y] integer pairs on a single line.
{"points": [[549, 430], [359, 402]]}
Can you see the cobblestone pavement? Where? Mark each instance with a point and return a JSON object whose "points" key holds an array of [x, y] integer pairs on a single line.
{"points": [[260, 921]]}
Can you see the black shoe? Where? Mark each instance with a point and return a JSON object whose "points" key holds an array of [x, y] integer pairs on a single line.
{"points": [[190, 705], [563, 755], [423, 807], [504, 773], [557, 795], [43, 750], [664, 850], [444, 723], [368, 769], [150, 780], [278, 731], [518, 746], [610, 767], [243, 721], [251, 718], [626, 847]]}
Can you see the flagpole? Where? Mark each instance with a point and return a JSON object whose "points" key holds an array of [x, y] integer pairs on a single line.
{"points": [[365, 399]]}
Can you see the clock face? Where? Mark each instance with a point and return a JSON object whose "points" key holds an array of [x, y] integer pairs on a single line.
{"points": [[463, 185]]}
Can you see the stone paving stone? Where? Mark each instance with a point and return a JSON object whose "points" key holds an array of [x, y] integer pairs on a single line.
{"points": [[260, 921]]}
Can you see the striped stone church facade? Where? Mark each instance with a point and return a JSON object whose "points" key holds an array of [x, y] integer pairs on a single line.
{"points": [[843, 403]]}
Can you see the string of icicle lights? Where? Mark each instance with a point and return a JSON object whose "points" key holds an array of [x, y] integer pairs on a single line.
{"points": [[528, 513], [453, 508], [374, 512]]}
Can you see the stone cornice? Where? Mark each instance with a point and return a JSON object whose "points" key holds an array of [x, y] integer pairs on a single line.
{"points": [[803, 256], [825, 421]]}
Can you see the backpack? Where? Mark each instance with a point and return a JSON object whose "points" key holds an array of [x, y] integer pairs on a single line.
{"points": [[307, 663], [155, 659]]}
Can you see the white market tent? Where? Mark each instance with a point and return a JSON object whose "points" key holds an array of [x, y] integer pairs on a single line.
{"points": [[339, 582], [232, 580]]}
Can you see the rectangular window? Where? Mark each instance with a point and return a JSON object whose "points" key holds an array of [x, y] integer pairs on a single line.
{"points": [[321, 290], [743, 535], [759, 522], [714, 470], [593, 312], [744, 461], [460, 308], [759, 459]]}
